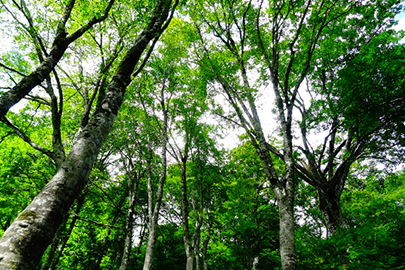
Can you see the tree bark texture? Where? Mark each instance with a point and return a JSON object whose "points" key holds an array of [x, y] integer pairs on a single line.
{"points": [[61, 238], [329, 204], [287, 236], [285, 194], [25, 241]]}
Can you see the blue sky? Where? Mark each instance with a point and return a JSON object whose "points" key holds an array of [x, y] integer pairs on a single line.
{"points": [[401, 23], [401, 15]]}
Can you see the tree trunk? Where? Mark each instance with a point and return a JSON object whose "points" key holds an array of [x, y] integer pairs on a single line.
{"points": [[329, 204], [133, 180], [154, 217], [257, 247], [256, 262], [205, 248], [150, 248], [153, 228], [184, 217], [129, 225], [286, 196], [198, 213], [285, 193], [197, 241], [287, 237], [128, 242], [25, 241]]}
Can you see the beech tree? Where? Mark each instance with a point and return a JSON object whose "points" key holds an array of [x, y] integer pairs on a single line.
{"points": [[162, 81], [286, 57], [131, 140], [368, 244], [282, 40], [24, 242], [358, 105]]}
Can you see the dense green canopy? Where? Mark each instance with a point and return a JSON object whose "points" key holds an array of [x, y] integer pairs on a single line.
{"points": [[115, 126]]}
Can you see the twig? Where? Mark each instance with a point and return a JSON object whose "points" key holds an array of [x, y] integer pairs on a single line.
{"points": [[97, 223]]}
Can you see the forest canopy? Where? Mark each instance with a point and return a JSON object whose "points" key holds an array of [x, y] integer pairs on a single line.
{"points": [[114, 114]]}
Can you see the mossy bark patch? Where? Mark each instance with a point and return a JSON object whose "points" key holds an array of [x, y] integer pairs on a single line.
{"points": [[26, 215]]}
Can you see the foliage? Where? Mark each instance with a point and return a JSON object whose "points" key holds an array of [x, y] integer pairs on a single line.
{"points": [[24, 173], [372, 240], [214, 61]]}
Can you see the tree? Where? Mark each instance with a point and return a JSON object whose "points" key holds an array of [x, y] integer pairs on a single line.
{"points": [[253, 38], [24, 242], [190, 106], [359, 108], [133, 156], [163, 99], [60, 43], [282, 40], [249, 216], [371, 205]]}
